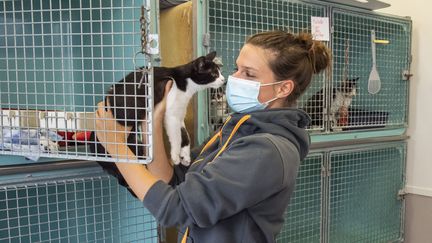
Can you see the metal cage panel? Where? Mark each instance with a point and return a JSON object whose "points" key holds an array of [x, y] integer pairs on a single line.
{"points": [[363, 194], [304, 215], [57, 61], [84, 208], [230, 22], [352, 50]]}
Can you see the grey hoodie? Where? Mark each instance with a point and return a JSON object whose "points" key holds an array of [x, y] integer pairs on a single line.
{"points": [[242, 195]]}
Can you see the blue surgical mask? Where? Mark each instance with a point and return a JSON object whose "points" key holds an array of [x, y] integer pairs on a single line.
{"points": [[242, 95]]}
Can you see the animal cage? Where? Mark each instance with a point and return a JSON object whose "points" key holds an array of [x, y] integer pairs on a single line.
{"points": [[355, 34], [348, 194], [58, 60], [230, 22], [70, 205], [364, 187], [304, 215]]}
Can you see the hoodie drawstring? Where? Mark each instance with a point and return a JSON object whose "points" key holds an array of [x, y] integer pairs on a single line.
{"points": [[216, 136]]}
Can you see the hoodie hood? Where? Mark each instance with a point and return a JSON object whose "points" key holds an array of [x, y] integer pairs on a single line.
{"points": [[289, 123]]}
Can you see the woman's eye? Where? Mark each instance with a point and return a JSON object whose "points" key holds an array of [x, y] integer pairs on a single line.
{"points": [[250, 75]]}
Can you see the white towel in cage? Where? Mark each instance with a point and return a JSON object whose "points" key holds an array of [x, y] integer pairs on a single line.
{"points": [[31, 141]]}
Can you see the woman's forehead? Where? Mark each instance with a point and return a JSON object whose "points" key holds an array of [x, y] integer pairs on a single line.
{"points": [[253, 57]]}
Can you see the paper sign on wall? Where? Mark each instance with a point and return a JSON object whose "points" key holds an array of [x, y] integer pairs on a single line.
{"points": [[320, 28]]}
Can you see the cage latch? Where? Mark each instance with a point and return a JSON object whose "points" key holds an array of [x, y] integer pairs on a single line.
{"points": [[401, 194], [406, 75]]}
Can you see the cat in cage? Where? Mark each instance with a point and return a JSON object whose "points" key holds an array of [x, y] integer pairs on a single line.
{"points": [[341, 96], [129, 109], [219, 110]]}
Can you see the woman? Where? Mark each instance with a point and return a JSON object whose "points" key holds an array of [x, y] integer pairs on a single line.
{"points": [[238, 187]]}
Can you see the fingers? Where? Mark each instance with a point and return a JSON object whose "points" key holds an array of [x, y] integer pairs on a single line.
{"points": [[102, 112], [100, 109]]}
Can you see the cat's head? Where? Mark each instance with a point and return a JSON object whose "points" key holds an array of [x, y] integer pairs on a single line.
{"points": [[206, 71], [349, 87]]}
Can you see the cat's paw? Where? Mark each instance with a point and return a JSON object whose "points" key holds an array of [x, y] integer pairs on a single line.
{"points": [[175, 157], [185, 156]]}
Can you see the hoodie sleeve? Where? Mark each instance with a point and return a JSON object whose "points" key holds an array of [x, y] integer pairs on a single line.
{"points": [[248, 171], [181, 170]]}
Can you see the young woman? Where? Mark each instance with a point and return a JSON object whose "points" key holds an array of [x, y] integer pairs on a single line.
{"points": [[239, 186]]}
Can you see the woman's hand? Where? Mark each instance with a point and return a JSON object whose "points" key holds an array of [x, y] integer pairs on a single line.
{"points": [[108, 131], [161, 165], [160, 108]]}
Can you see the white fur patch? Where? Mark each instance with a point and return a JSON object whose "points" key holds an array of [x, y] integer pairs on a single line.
{"points": [[177, 102], [341, 100]]}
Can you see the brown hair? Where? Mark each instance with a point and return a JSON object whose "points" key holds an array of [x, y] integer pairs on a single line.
{"points": [[296, 57]]}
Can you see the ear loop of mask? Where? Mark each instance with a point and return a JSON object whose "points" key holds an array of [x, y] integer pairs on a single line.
{"points": [[273, 99]]}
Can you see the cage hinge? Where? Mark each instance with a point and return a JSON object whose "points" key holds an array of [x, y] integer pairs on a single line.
{"points": [[406, 75], [401, 194], [12, 114], [42, 115], [206, 39], [69, 116], [326, 120]]}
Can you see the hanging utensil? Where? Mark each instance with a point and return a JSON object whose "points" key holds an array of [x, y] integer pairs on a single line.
{"points": [[374, 82]]}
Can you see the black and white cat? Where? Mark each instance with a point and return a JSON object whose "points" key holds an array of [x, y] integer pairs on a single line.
{"points": [[128, 102], [200, 74], [342, 96]]}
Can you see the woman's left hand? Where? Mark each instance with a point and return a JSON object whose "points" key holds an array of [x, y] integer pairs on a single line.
{"points": [[108, 130]]}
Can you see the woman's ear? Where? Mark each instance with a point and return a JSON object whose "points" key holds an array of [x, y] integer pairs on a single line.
{"points": [[285, 88]]}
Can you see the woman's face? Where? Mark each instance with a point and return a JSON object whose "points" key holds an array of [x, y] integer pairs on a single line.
{"points": [[253, 64]]}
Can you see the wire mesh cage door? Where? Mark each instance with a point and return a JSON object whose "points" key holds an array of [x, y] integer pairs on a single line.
{"points": [[371, 62], [363, 195], [304, 215], [81, 208], [231, 22], [59, 59]]}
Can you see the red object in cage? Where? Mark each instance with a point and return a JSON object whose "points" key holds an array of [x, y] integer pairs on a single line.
{"points": [[343, 116]]}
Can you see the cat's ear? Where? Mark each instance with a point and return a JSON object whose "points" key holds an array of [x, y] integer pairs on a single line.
{"points": [[200, 63], [354, 80], [211, 56], [218, 61]]}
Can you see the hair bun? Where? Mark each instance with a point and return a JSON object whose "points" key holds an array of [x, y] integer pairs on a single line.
{"points": [[318, 53]]}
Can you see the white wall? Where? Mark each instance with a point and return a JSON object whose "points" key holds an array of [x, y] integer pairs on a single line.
{"points": [[419, 165]]}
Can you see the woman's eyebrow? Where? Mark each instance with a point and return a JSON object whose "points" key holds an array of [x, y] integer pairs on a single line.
{"points": [[248, 68]]}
